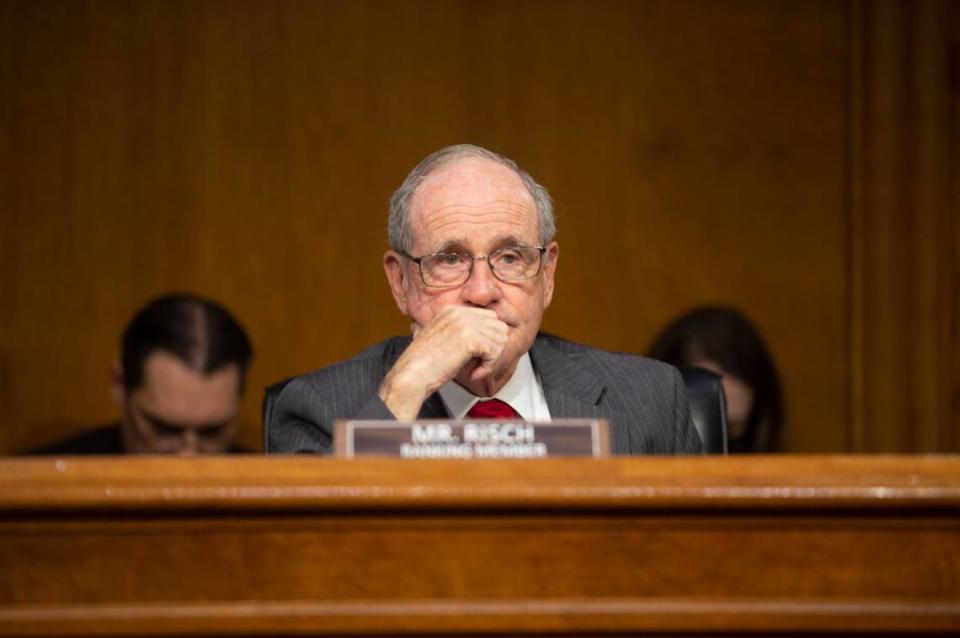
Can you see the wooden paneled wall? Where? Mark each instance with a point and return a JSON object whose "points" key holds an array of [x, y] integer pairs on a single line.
{"points": [[795, 159]]}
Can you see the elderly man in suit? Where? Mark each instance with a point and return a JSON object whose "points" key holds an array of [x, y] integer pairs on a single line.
{"points": [[472, 264]]}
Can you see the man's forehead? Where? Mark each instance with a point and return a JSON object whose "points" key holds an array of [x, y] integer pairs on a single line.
{"points": [[472, 192], [471, 180], [165, 374], [174, 392]]}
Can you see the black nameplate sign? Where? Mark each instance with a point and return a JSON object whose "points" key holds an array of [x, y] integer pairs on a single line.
{"points": [[476, 439]]}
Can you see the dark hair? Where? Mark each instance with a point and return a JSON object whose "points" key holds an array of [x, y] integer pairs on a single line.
{"points": [[726, 337], [197, 331]]}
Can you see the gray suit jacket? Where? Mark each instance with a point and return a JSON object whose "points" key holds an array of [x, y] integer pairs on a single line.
{"points": [[643, 400]]}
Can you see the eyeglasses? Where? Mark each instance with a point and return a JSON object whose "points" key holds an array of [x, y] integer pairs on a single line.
{"points": [[451, 269]]}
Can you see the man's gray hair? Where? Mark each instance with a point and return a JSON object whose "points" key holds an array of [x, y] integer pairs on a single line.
{"points": [[399, 230]]}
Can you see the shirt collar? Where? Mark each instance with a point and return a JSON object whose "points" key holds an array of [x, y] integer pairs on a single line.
{"points": [[520, 392]]}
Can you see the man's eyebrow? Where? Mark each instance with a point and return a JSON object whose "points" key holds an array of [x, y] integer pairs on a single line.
{"points": [[451, 246], [509, 240], [459, 245]]}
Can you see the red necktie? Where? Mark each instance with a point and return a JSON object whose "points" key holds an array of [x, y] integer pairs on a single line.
{"points": [[492, 409]]}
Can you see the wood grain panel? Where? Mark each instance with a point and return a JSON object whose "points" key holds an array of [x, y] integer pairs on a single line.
{"points": [[853, 545], [903, 221], [698, 152]]}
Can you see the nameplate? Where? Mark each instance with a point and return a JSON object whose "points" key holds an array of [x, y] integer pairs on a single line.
{"points": [[477, 439]]}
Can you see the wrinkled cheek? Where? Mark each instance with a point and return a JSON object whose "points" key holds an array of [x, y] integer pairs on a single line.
{"points": [[424, 306], [415, 306], [420, 313], [522, 336]]}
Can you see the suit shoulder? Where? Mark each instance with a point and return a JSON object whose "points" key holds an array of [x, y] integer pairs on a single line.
{"points": [[616, 362], [103, 440], [363, 369]]}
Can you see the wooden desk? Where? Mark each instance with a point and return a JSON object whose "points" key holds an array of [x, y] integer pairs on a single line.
{"points": [[272, 546]]}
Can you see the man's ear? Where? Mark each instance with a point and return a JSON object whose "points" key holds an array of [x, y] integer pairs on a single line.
{"points": [[117, 391], [393, 266], [550, 258]]}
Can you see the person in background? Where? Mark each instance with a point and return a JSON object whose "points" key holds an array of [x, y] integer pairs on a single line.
{"points": [[178, 384], [722, 340]]}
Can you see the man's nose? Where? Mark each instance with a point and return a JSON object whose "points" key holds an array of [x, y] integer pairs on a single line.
{"points": [[190, 443], [482, 288]]}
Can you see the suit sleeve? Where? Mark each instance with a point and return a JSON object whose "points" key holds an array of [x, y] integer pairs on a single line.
{"points": [[375, 410], [296, 426], [303, 416]]}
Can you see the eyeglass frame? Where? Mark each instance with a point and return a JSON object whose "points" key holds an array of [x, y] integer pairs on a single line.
{"points": [[542, 250]]}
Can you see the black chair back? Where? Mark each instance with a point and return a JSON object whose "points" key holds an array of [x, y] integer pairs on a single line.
{"points": [[707, 408]]}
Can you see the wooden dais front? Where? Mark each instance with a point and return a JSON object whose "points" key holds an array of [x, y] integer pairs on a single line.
{"points": [[275, 546]]}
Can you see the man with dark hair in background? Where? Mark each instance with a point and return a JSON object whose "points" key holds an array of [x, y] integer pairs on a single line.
{"points": [[178, 384]]}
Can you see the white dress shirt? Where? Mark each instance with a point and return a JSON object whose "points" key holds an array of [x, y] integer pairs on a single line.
{"points": [[523, 392]]}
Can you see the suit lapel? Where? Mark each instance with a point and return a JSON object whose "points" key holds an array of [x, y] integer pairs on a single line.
{"points": [[573, 390], [433, 408]]}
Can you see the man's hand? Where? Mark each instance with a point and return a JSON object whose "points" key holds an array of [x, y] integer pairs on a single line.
{"points": [[456, 337]]}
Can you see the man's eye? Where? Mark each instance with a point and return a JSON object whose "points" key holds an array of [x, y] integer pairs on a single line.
{"points": [[211, 431], [509, 257], [448, 259], [163, 429]]}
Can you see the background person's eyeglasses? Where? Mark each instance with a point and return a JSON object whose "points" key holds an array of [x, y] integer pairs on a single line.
{"points": [[449, 269]]}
